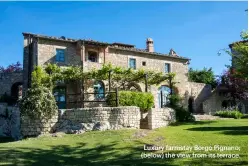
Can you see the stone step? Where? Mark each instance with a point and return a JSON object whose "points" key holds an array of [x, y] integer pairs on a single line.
{"points": [[205, 117]]}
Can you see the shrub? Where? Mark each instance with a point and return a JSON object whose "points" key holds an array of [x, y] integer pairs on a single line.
{"points": [[174, 100], [39, 102], [245, 116], [182, 115], [143, 100], [229, 114]]}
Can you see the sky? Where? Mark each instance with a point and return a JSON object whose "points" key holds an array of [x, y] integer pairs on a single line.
{"points": [[197, 30]]}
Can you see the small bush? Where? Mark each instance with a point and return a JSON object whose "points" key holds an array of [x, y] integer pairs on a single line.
{"points": [[174, 100], [182, 115], [245, 116], [38, 103], [143, 100], [229, 114]]}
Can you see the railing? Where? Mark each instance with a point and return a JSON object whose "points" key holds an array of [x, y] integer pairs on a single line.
{"points": [[79, 98]]}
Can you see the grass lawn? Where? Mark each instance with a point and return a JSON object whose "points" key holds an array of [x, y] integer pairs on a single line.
{"points": [[124, 147]]}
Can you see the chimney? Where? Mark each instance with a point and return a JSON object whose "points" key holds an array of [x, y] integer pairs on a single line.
{"points": [[150, 45], [172, 53]]}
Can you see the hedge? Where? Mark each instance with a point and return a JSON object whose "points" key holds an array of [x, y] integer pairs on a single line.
{"points": [[229, 114], [143, 100]]}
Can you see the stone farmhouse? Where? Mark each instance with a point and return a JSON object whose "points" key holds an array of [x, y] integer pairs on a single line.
{"points": [[41, 50]]}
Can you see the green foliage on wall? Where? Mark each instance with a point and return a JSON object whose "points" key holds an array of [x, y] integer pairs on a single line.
{"points": [[203, 76], [120, 77], [41, 78]]}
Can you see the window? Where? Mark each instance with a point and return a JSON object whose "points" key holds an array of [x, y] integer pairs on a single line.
{"points": [[99, 90], [92, 56], [167, 68], [144, 63], [132, 63], [163, 95], [60, 55]]}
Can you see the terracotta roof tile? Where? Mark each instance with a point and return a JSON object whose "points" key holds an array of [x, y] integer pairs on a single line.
{"points": [[147, 52], [123, 46]]}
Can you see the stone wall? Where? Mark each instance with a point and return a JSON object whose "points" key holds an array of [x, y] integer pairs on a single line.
{"points": [[160, 117], [47, 51], [153, 62], [7, 80], [83, 119], [9, 122], [213, 103], [199, 92], [35, 127]]}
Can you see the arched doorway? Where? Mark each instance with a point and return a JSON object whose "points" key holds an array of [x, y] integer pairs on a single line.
{"points": [[99, 90], [16, 90], [163, 96], [191, 104]]}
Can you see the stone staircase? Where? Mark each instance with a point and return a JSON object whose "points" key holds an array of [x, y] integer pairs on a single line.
{"points": [[144, 123], [206, 117]]}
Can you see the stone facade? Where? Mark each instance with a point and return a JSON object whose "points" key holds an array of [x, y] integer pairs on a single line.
{"points": [[160, 117], [47, 51], [83, 119], [9, 122], [7, 80], [199, 92], [42, 50]]}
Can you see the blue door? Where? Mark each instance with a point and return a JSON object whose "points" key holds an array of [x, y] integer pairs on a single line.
{"points": [[60, 97], [99, 90]]}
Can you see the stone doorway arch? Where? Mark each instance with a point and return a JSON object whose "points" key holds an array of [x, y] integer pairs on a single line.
{"points": [[16, 90], [191, 104]]}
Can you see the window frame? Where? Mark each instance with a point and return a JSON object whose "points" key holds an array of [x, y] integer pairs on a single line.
{"points": [[169, 67], [135, 60], [60, 55], [88, 56]]}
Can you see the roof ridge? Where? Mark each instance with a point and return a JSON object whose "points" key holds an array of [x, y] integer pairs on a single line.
{"points": [[147, 52], [111, 45]]}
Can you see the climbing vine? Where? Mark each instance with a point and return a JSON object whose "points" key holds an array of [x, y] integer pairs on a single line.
{"points": [[120, 77]]}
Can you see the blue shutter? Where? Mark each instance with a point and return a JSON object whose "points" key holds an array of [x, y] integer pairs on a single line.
{"points": [[60, 55], [167, 68], [132, 63]]}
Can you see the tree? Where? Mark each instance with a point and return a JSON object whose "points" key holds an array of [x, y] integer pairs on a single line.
{"points": [[39, 101], [236, 76], [237, 86], [203, 76], [11, 68], [239, 54]]}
